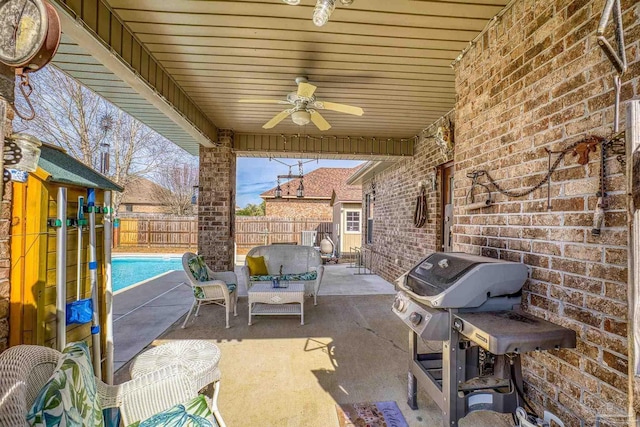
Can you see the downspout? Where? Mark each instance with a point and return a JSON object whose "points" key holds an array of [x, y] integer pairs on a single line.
{"points": [[108, 327], [61, 270]]}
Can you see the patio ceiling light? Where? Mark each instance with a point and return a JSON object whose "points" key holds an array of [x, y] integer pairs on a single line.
{"points": [[323, 9], [322, 12]]}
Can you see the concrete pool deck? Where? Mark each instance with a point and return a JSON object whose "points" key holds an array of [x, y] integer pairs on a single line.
{"points": [[144, 311], [278, 373]]}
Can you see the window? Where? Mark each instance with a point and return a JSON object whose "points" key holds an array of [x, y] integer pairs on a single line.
{"points": [[353, 221], [368, 212], [128, 207]]}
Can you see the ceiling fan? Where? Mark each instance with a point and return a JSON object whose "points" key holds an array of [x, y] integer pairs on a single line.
{"points": [[305, 107]]}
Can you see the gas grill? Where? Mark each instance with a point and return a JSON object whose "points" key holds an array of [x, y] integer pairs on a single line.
{"points": [[470, 303]]}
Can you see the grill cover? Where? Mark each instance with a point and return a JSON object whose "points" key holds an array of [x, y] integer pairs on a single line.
{"points": [[459, 280]]}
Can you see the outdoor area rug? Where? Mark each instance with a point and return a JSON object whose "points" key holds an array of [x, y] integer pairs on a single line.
{"points": [[378, 414]]}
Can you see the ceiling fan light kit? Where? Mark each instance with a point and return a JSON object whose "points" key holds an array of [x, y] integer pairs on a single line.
{"points": [[301, 117]]}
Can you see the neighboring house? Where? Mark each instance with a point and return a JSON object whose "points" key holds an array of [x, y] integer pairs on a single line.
{"points": [[327, 196], [141, 197], [347, 216], [319, 186]]}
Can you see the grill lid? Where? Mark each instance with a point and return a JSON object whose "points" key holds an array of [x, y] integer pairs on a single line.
{"points": [[438, 272], [458, 280]]}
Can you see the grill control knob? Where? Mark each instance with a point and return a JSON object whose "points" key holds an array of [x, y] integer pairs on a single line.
{"points": [[415, 318], [399, 305]]}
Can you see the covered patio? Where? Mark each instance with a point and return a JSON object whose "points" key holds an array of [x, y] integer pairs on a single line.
{"points": [[351, 349], [516, 97]]}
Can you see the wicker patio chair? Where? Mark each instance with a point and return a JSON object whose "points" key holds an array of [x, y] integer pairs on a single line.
{"points": [[25, 369], [220, 289]]}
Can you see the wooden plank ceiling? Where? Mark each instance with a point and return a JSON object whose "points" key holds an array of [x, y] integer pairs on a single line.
{"points": [[392, 58]]}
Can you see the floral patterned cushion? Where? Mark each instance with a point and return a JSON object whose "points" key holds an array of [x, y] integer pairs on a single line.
{"points": [[309, 275], [70, 397], [199, 293], [195, 413], [198, 268]]}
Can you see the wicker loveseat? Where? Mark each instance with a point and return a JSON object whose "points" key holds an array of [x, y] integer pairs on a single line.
{"points": [[299, 264]]}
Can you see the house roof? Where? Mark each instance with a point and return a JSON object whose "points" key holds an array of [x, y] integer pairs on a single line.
{"points": [[320, 184], [64, 169], [141, 191]]}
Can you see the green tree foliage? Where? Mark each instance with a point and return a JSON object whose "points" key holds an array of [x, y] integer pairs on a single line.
{"points": [[252, 210]]}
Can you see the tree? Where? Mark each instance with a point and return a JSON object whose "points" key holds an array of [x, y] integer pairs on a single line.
{"points": [[252, 210], [176, 187], [80, 121]]}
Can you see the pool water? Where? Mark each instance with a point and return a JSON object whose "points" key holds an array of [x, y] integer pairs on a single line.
{"points": [[127, 271]]}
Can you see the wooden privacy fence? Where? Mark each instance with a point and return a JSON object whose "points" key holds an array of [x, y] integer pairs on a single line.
{"points": [[261, 230], [156, 232], [250, 231]]}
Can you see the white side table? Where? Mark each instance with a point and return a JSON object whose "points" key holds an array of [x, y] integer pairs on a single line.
{"points": [[265, 300], [199, 357]]}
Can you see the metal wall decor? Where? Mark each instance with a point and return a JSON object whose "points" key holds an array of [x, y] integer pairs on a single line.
{"points": [[470, 199], [581, 148]]}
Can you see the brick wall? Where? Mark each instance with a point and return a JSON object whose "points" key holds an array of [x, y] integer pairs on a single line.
{"points": [[7, 78], [396, 241], [537, 79], [216, 203], [298, 208]]}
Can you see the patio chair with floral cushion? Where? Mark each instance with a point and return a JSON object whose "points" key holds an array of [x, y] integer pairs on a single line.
{"points": [[40, 386], [210, 287]]}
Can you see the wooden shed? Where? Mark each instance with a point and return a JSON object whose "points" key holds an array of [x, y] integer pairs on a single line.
{"points": [[33, 248]]}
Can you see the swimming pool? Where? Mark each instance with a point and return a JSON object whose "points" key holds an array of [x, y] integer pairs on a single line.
{"points": [[127, 271]]}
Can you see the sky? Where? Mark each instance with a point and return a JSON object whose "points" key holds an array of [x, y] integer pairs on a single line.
{"points": [[254, 176]]}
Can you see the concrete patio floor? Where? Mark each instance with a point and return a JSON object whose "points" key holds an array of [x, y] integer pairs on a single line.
{"points": [[277, 372]]}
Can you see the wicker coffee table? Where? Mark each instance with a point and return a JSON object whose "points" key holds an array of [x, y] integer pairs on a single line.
{"points": [[265, 300]]}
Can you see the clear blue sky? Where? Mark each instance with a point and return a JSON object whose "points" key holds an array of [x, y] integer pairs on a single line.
{"points": [[255, 176]]}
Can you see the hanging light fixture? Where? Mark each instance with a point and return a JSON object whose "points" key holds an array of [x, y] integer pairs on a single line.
{"points": [[290, 176], [323, 9], [278, 190], [322, 12]]}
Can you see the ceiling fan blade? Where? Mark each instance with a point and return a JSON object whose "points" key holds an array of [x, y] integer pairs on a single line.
{"points": [[263, 101], [306, 90], [342, 108], [277, 119], [319, 121]]}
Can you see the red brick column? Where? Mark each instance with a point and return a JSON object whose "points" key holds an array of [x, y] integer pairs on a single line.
{"points": [[7, 79], [216, 203]]}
